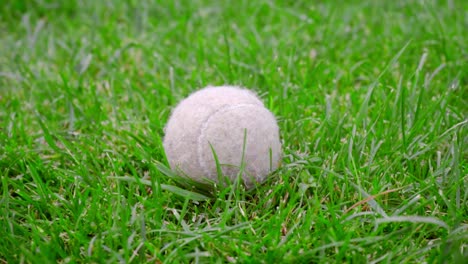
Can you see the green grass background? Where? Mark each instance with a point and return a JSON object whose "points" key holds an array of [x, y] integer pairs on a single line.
{"points": [[370, 96]]}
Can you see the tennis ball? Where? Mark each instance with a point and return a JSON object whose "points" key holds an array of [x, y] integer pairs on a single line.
{"points": [[226, 122]]}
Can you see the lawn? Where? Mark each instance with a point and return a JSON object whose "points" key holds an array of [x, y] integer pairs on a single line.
{"points": [[371, 100]]}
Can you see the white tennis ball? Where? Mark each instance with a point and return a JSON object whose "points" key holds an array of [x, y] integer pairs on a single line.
{"points": [[223, 119]]}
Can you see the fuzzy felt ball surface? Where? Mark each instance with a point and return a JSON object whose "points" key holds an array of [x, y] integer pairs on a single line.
{"points": [[230, 122]]}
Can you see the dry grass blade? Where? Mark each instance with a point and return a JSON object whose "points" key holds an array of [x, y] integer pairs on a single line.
{"points": [[372, 197]]}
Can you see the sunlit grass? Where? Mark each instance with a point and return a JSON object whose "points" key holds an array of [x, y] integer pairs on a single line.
{"points": [[371, 102]]}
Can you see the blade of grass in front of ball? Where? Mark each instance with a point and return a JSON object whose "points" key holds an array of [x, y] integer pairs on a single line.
{"points": [[244, 144], [222, 181], [271, 158], [242, 164]]}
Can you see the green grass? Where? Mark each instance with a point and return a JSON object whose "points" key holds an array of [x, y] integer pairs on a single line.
{"points": [[371, 99]]}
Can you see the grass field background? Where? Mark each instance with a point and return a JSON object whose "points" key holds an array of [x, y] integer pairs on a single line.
{"points": [[370, 96]]}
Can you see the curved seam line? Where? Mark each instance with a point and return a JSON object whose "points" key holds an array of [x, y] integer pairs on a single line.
{"points": [[204, 127]]}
